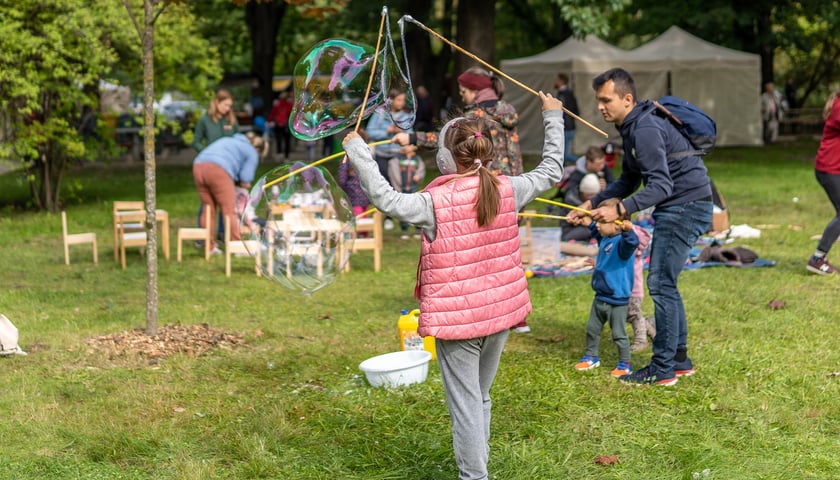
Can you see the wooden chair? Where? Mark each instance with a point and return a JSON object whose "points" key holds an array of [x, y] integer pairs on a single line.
{"points": [[121, 208], [233, 247], [130, 238], [526, 242], [76, 239], [197, 233], [372, 225]]}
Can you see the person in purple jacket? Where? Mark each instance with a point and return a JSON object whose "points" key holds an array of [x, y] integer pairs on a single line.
{"points": [[675, 181], [471, 285]]}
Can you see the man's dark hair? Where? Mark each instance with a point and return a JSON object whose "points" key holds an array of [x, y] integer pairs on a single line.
{"points": [[563, 78], [622, 80]]}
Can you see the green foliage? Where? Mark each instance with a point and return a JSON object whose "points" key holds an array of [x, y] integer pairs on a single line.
{"points": [[809, 52], [52, 58], [293, 404]]}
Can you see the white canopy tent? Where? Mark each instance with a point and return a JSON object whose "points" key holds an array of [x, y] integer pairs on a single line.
{"points": [[724, 82]]}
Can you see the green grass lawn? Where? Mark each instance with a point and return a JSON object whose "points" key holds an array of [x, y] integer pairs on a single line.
{"points": [[292, 403]]}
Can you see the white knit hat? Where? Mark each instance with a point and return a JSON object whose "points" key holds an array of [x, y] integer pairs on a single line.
{"points": [[590, 184]]}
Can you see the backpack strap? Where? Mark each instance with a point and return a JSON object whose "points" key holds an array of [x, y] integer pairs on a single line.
{"points": [[678, 125]]}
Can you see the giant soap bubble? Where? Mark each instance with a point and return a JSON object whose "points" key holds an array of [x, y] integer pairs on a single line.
{"points": [[331, 81], [307, 230]]}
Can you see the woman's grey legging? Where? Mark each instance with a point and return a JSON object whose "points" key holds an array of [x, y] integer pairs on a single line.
{"points": [[831, 184]]}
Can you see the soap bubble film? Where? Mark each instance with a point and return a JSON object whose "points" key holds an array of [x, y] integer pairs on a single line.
{"points": [[307, 227], [331, 80], [330, 84]]}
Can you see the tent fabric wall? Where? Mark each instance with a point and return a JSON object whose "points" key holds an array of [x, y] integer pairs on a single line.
{"points": [[724, 82], [581, 60]]}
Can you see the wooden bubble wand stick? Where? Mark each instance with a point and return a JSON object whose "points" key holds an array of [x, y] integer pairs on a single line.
{"points": [[497, 71], [372, 68]]}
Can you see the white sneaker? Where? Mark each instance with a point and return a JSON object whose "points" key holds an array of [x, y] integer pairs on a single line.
{"points": [[215, 251], [404, 237], [389, 224]]}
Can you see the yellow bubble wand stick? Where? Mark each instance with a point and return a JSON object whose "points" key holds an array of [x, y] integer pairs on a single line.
{"points": [[541, 215], [316, 163], [570, 207]]}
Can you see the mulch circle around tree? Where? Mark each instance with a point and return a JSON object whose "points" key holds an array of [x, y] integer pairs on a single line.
{"points": [[191, 340]]}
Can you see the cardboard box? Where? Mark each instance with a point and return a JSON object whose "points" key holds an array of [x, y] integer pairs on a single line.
{"points": [[720, 215], [720, 221]]}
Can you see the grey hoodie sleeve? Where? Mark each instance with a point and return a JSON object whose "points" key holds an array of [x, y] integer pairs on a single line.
{"points": [[414, 208], [527, 186]]}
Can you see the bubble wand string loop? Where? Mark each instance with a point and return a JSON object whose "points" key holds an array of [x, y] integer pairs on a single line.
{"points": [[497, 71]]}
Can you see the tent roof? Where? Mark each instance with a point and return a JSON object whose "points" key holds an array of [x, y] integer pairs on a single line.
{"points": [[677, 44], [572, 48]]}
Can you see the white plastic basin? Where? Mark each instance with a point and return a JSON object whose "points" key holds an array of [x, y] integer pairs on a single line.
{"points": [[397, 369]]}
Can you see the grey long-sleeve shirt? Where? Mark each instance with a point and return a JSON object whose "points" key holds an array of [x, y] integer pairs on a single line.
{"points": [[417, 208]]}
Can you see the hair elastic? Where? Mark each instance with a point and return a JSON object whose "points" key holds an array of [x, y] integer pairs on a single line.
{"points": [[477, 135]]}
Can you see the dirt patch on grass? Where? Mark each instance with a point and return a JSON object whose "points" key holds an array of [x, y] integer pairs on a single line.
{"points": [[192, 340]]}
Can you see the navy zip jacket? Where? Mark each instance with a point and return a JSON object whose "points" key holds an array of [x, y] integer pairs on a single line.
{"points": [[612, 278], [650, 144]]}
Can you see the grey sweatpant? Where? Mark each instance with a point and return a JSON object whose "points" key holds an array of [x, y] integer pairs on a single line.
{"points": [[468, 368], [616, 315]]}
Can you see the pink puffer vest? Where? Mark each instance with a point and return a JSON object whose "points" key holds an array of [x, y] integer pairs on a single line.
{"points": [[471, 282]]}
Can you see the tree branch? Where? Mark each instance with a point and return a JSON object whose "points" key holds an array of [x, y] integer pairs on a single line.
{"points": [[133, 20], [159, 12]]}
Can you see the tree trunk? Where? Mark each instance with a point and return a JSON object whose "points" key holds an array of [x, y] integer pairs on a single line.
{"points": [[148, 36], [767, 44], [264, 20], [476, 33]]}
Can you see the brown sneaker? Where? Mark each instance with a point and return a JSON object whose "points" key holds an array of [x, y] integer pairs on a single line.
{"points": [[820, 266]]}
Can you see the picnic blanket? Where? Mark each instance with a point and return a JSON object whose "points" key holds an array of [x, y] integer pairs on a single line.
{"points": [[708, 252]]}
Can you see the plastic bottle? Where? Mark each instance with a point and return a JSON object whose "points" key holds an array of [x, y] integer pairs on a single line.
{"points": [[409, 338]]}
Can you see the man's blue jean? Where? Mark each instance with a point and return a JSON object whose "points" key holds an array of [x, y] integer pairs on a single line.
{"points": [[676, 230], [569, 143]]}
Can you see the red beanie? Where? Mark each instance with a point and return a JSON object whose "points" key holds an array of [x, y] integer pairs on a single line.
{"points": [[474, 81]]}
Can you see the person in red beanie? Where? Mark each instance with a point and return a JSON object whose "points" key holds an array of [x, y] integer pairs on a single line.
{"points": [[482, 94]]}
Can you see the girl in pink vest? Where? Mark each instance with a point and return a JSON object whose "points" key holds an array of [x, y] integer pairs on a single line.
{"points": [[470, 283]]}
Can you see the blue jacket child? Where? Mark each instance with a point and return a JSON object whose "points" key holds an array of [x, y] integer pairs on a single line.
{"points": [[612, 279]]}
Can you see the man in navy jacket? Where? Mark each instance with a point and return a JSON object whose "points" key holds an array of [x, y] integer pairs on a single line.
{"points": [[678, 186]]}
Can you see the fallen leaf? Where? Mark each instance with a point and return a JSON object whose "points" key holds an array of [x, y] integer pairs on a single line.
{"points": [[776, 304], [606, 460]]}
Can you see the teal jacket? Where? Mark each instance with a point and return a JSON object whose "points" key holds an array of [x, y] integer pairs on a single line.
{"points": [[207, 131]]}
